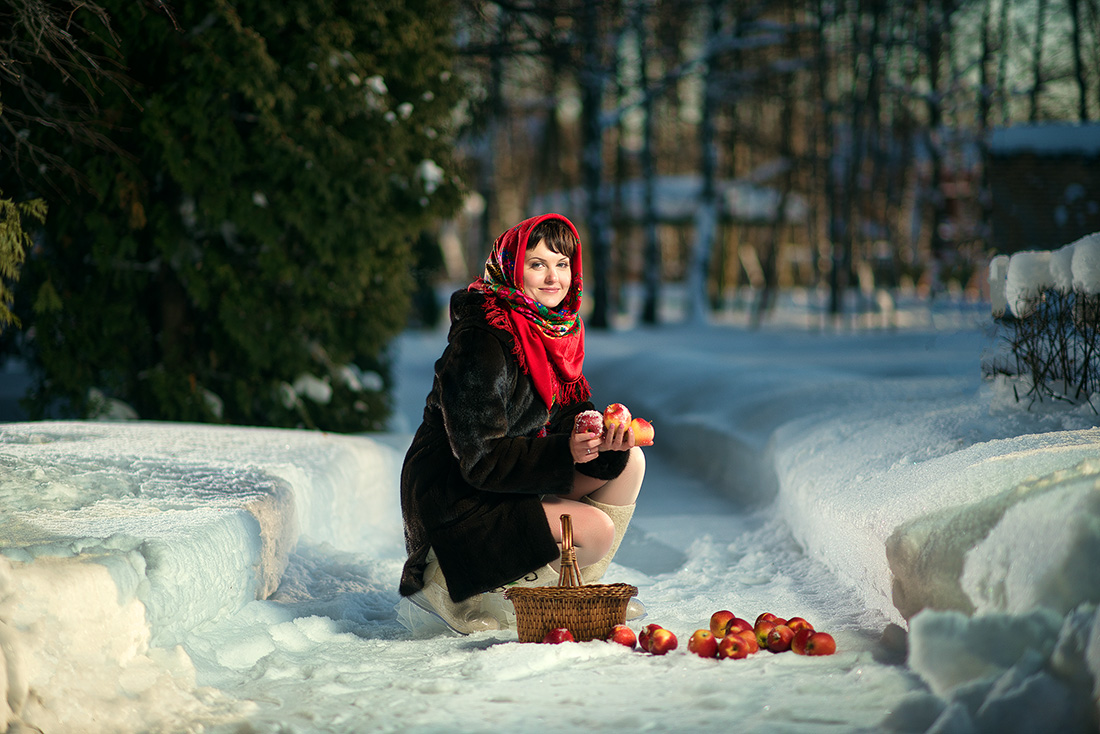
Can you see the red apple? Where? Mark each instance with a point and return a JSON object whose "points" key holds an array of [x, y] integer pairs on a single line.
{"points": [[643, 432], [703, 643], [798, 642], [762, 629], [720, 622], [765, 615], [750, 639], [779, 639], [662, 641], [615, 415], [734, 647], [643, 636], [820, 643], [589, 421], [739, 625], [798, 623], [623, 635], [557, 636]]}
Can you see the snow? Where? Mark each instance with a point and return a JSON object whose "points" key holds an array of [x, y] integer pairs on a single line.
{"points": [[1017, 281], [1047, 138], [160, 577]]}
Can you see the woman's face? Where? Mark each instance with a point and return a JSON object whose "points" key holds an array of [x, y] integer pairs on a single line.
{"points": [[546, 275]]}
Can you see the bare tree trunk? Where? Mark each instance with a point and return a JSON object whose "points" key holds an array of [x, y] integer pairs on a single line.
{"points": [[985, 105], [937, 30], [652, 248], [1037, 60], [706, 214], [1002, 66], [593, 80], [487, 173], [1078, 61], [838, 271], [779, 220]]}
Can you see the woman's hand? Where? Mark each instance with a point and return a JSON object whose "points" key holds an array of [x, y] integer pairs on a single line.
{"points": [[584, 446], [587, 446], [620, 438]]}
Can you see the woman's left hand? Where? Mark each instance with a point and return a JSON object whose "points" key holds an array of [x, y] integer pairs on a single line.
{"points": [[620, 438]]}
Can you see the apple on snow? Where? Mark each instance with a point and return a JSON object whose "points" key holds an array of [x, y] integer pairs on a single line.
{"points": [[703, 643], [662, 641], [623, 635], [557, 636]]}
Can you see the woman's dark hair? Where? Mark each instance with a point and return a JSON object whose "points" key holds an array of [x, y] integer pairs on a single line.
{"points": [[558, 235]]}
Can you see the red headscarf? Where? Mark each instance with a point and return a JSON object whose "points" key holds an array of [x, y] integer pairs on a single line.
{"points": [[549, 343]]}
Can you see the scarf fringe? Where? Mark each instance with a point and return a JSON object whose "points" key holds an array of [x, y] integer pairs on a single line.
{"points": [[576, 391]]}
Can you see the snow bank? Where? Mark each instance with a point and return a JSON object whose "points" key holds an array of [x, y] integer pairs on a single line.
{"points": [[974, 523], [133, 535]]}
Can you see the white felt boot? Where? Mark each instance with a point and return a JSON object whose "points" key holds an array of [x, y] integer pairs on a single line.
{"points": [[463, 617]]}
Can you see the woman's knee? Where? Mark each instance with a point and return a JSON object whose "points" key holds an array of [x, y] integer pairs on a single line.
{"points": [[636, 463], [594, 536], [593, 530]]}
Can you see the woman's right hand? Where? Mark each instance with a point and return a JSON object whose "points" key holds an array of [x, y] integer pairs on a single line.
{"points": [[584, 446]]}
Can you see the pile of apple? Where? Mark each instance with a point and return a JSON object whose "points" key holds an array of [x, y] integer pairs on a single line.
{"points": [[653, 638], [614, 415], [730, 636]]}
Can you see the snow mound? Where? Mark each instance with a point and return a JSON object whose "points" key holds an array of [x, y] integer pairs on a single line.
{"points": [[119, 539]]}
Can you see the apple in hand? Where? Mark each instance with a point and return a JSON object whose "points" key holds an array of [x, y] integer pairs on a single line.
{"points": [[820, 643], [662, 641], [703, 643], [643, 636], [720, 622], [643, 432], [589, 421], [616, 415], [557, 636], [779, 639], [623, 635]]}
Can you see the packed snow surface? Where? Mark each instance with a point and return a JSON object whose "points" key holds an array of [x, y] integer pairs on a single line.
{"points": [[159, 577]]}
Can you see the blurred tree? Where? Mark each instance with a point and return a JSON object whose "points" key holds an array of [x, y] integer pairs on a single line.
{"points": [[14, 243], [247, 259]]}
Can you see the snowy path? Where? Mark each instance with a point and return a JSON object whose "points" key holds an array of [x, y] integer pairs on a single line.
{"points": [[691, 551], [338, 665]]}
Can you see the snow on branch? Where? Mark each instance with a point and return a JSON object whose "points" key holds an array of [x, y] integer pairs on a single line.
{"points": [[1048, 304]]}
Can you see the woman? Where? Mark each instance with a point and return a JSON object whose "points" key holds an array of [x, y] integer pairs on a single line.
{"points": [[495, 462]]}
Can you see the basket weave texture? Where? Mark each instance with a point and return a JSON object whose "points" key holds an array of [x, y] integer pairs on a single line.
{"points": [[589, 612]]}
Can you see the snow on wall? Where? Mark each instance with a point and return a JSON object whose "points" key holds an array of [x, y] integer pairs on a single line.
{"points": [[1050, 138], [133, 534]]}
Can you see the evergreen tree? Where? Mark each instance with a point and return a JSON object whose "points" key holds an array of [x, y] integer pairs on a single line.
{"points": [[14, 243], [247, 261]]}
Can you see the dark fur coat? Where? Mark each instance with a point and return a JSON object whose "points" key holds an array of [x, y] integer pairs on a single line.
{"points": [[472, 477]]}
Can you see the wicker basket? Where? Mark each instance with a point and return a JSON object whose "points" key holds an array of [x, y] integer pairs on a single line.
{"points": [[589, 612]]}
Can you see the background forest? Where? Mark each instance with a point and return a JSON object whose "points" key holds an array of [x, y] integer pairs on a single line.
{"points": [[220, 212]]}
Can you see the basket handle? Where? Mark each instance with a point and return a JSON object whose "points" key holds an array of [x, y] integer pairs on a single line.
{"points": [[570, 574]]}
